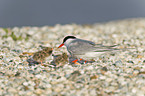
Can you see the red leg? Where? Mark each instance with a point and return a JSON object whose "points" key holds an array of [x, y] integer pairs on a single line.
{"points": [[75, 62], [85, 61], [42, 63]]}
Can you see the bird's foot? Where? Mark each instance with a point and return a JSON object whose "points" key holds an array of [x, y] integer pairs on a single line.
{"points": [[42, 63], [75, 62]]}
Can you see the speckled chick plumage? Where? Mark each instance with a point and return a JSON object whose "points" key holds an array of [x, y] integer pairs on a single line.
{"points": [[40, 56], [61, 60]]}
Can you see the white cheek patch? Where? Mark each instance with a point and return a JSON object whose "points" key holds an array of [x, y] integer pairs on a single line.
{"points": [[68, 41]]}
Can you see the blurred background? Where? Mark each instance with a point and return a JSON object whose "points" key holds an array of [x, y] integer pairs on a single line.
{"points": [[50, 12]]}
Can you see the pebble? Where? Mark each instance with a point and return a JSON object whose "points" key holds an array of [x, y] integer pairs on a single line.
{"points": [[137, 68], [90, 68], [94, 77], [12, 90], [120, 73], [39, 91]]}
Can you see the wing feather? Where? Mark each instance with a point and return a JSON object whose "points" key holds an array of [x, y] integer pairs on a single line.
{"points": [[80, 47]]}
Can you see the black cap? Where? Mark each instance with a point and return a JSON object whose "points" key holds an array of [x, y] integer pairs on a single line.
{"points": [[68, 37]]}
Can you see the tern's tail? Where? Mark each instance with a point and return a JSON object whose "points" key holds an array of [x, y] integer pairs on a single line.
{"points": [[111, 48]]}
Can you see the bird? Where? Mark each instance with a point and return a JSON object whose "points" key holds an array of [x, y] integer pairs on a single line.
{"points": [[40, 56], [84, 49], [61, 60]]}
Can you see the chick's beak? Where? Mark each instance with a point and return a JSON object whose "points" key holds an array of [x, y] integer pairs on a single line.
{"points": [[61, 45]]}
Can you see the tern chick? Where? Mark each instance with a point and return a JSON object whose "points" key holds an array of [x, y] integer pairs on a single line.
{"points": [[61, 60], [40, 56]]}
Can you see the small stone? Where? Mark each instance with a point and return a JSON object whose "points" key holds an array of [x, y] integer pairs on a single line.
{"points": [[20, 67], [93, 77], [17, 74], [130, 62], [29, 93], [104, 69], [25, 83], [102, 77], [74, 75], [1, 57], [26, 88], [139, 56], [90, 68], [109, 79], [25, 63], [12, 90], [93, 92], [135, 73], [57, 89], [143, 72], [38, 76], [137, 68], [140, 93], [134, 90], [118, 63], [103, 72], [39, 91]]}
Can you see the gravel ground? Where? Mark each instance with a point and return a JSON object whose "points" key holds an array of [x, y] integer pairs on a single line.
{"points": [[117, 74]]}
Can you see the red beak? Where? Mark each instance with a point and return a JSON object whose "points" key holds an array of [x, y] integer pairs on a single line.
{"points": [[61, 45]]}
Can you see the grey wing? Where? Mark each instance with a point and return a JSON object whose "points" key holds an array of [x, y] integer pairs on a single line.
{"points": [[80, 47], [102, 48]]}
